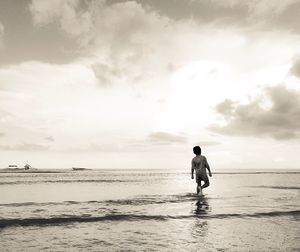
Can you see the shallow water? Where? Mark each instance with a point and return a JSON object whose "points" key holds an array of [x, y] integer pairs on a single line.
{"points": [[149, 210]]}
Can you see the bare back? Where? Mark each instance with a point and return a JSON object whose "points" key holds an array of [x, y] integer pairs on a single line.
{"points": [[199, 163]]}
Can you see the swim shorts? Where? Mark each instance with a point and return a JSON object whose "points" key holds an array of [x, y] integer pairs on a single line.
{"points": [[201, 177]]}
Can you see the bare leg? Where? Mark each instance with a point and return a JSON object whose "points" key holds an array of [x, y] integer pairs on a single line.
{"points": [[206, 184], [198, 187]]}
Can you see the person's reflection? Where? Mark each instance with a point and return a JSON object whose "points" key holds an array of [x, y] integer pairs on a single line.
{"points": [[200, 227], [202, 206]]}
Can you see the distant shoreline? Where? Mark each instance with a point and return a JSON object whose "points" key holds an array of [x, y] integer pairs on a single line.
{"points": [[219, 172], [8, 170]]}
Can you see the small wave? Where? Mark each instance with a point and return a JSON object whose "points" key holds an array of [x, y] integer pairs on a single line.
{"points": [[258, 172], [279, 187], [144, 200], [4, 223], [66, 181], [64, 220]]}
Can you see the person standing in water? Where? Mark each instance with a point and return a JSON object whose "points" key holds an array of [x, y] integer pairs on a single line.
{"points": [[200, 164]]}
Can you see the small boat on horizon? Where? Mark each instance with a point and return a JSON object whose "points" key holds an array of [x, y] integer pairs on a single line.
{"points": [[27, 166], [13, 167], [16, 167], [79, 169]]}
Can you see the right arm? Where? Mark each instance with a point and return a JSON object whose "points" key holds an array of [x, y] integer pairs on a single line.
{"points": [[192, 169]]}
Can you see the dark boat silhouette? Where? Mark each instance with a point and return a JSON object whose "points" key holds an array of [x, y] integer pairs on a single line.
{"points": [[79, 169]]}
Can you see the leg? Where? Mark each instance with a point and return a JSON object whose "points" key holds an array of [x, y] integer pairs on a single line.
{"points": [[198, 186], [206, 184]]}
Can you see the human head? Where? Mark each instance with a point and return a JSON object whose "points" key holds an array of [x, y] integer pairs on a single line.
{"points": [[197, 150]]}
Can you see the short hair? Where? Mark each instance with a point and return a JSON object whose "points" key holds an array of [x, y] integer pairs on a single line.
{"points": [[197, 150]]}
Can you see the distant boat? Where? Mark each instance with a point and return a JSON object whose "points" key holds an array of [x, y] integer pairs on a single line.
{"points": [[79, 169], [27, 167], [12, 166]]}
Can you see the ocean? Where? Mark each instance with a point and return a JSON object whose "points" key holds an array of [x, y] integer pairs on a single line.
{"points": [[149, 210]]}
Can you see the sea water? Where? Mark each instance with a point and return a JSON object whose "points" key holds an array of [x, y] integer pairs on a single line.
{"points": [[149, 210]]}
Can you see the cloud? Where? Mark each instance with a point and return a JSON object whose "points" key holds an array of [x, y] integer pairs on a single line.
{"points": [[117, 39], [108, 147], [25, 147], [166, 138], [207, 143], [1, 35], [225, 108], [133, 42], [66, 11], [50, 139], [295, 70], [243, 14], [288, 19], [280, 121], [154, 142]]}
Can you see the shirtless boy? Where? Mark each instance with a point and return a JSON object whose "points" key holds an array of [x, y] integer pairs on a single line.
{"points": [[199, 164]]}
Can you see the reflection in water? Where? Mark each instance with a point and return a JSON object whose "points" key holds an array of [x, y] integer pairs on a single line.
{"points": [[202, 206], [200, 227]]}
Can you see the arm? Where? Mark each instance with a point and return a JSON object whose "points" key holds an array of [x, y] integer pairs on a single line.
{"points": [[192, 170], [207, 167]]}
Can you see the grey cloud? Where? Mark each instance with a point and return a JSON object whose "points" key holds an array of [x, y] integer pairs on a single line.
{"points": [[122, 38], [208, 143], [295, 70], [23, 42], [129, 146], [289, 19], [126, 39], [154, 141], [25, 147], [106, 74], [263, 14], [50, 139], [1, 34], [205, 11], [166, 138], [281, 121], [225, 108], [105, 147]]}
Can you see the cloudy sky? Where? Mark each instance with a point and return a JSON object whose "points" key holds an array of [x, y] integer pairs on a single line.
{"points": [[136, 84]]}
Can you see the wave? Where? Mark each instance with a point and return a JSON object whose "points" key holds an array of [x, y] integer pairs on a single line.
{"points": [[142, 200], [279, 187], [4, 223], [67, 181], [131, 202]]}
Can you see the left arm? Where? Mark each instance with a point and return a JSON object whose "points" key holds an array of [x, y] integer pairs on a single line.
{"points": [[207, 167]]}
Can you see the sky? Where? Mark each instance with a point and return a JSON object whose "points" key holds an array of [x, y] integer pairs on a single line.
{"points": [[137, 84]]}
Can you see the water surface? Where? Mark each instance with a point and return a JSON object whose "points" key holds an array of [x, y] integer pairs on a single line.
{"points": [[149, 210]]}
